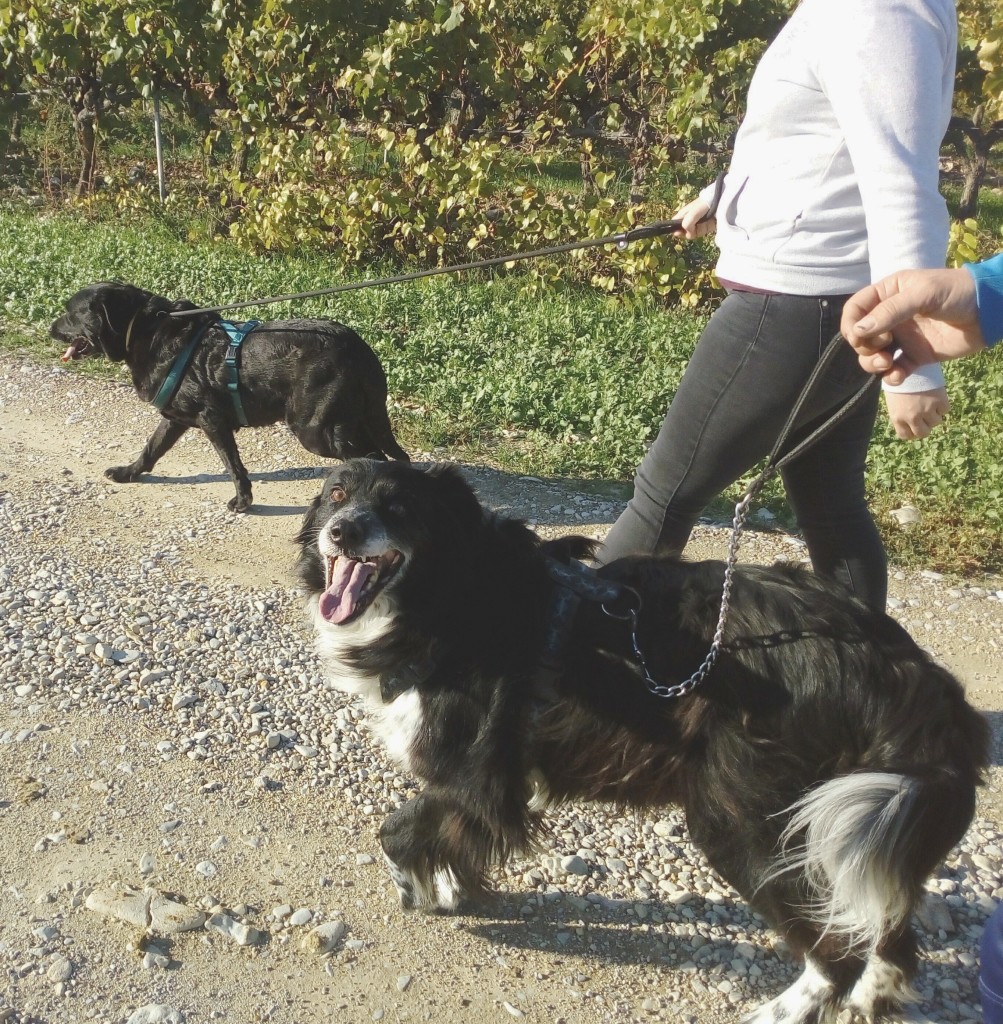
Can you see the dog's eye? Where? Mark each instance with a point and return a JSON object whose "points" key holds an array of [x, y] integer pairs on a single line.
{"points": [[337, 495]]}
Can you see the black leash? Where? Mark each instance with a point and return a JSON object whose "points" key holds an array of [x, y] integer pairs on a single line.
{"points": [[775, 461], [621, 240]]}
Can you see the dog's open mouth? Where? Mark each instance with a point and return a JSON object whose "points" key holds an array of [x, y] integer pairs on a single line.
{"points": [[352, 583], [79, 347]]}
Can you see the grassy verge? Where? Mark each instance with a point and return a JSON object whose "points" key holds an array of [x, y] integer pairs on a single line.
{"points": [[569, 384]]}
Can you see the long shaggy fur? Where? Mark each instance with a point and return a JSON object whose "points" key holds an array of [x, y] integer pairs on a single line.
{"points": [[847, 836], [318, 376], [826, 765]]}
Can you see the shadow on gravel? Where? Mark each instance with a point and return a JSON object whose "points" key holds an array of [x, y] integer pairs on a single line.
{"points": [[258, 508], [300, 473], [995, 719], [267, 511], [587, 502], [607, 935]]}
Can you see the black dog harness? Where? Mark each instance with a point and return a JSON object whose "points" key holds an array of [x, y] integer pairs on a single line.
{"points": [[231, 361], [573, 582]]}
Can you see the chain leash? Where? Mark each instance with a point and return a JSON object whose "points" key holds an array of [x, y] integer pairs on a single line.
{"points": [[658, 689], [774, 463]]}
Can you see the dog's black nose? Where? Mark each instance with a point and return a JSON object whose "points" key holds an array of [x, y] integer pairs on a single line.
{"points": [[346, 532]]}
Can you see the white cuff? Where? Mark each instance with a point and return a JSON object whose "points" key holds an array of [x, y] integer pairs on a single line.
{"points": [[923, 378]]}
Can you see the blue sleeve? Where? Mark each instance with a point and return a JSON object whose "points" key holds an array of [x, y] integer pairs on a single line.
{"points": [[989, 295]]}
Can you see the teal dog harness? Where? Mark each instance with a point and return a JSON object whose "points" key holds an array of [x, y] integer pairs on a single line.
{"points": [[173, 379], [237, 333], [231, 361]]}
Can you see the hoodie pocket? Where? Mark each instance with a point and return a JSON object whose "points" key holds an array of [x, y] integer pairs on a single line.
{"points": [[766, 213], [729, 213]]}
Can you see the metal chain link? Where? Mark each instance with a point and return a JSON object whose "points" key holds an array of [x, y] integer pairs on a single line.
{"points": [[658, 689], [774, 463]]}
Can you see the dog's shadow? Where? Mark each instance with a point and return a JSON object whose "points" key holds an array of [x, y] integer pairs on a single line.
{"points": [[585, 502], [258, 508], [607, 931], [995, 720], [293, 473]]}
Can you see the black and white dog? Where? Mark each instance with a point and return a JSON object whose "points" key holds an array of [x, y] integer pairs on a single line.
{"points": [[317, 375], [826, 764]]}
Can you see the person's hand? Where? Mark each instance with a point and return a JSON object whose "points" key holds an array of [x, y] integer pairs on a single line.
{"points": [[692, 216], [930, 315], [915, 414]]}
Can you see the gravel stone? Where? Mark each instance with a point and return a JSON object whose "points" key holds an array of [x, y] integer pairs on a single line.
{"points": [[156, 1013], [324, 937]]}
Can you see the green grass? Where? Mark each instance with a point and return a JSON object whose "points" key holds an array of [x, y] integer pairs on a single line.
{"points": [[571, 384]]}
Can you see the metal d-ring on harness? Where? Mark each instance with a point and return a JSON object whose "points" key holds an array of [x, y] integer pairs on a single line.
{"points": [[774, 463]]}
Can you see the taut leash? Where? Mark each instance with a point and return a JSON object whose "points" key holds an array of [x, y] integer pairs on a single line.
{"points": [[621, 240]]}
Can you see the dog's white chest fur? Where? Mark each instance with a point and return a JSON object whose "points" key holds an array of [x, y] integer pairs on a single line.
{"points": [[397, 724]]}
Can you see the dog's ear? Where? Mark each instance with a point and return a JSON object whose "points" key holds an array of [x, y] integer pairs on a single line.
{"points": [[309, 564], [564, 549], [454, 494], [308, 528]]}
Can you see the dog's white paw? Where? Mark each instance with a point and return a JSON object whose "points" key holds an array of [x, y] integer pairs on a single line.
{"points": [[440, 893], [881, 985], [799, 1004]]}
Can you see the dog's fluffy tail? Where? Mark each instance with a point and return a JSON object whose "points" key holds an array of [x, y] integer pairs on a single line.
{"points": [[866, 842]]}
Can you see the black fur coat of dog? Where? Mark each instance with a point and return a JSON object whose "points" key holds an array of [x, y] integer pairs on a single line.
{"points": [[826, 764], [318, 376]]}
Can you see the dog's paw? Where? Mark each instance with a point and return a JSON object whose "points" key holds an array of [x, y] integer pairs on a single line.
{"points": [[122, 474], [440, 894], [239, 503]]}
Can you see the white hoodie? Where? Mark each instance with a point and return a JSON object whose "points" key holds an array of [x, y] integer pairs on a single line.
{"points": [[834, 179]]}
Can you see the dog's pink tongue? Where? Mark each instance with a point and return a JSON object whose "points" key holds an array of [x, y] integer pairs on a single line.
{"points": [[349, 577], [69, 354]]}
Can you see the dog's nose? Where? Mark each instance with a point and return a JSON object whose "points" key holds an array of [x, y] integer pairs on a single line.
{"points": [[346, 532]]}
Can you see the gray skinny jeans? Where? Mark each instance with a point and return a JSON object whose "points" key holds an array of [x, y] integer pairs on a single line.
{"points": [[750, 365]]}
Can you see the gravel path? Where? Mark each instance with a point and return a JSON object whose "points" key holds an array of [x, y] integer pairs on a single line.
{"points": [[188, 814]]}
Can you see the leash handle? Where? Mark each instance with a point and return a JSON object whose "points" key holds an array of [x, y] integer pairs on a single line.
{"points": [[664, 227], [658, 227]]}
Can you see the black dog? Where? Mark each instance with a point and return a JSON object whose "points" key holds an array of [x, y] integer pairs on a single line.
{"points": [[826, 764], [317, 375]]}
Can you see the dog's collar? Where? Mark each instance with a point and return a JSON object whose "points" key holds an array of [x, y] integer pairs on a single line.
{"points": [[173, 379], [128, 330]]}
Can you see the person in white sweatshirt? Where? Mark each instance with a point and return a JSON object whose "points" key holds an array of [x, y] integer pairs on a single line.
{"points": [[832, 185]]}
